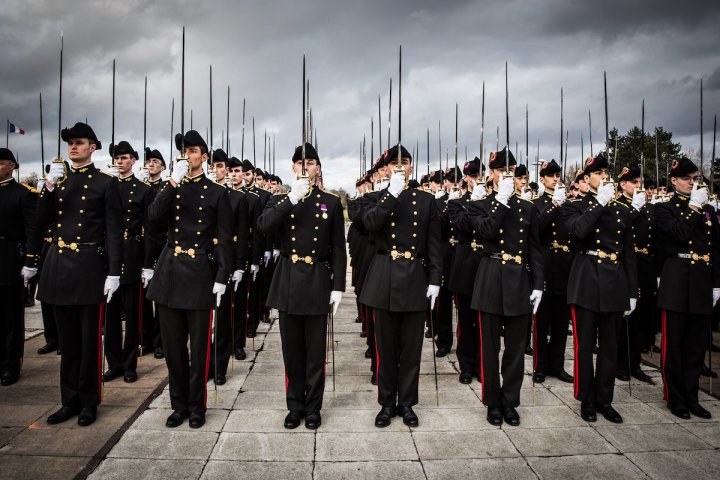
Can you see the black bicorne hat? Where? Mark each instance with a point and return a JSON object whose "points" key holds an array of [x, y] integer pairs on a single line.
{"points": [[7, 154], [436, 176], [154, 154], [498, 159], [219, 155], [683, 166], [122, 148], [594, 164], [393, 153], [80, 130], [310, 152], [629, 172], [234, 162], [549, 168], [473, 167], [191, 139], [247, 166], [521, 171]]}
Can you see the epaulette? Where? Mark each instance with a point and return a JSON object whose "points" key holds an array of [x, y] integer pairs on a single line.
{"points": [[574, 200], [620, 203], [252, 193], [330, 193], [32, 189], [428, 193], [105, 173]]}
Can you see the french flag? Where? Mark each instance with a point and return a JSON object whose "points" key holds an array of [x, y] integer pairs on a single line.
{"points": [[12, 128]]}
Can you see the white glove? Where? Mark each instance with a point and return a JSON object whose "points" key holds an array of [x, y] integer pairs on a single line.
{"points": [[698, 196], [658, 279], [713, 203], [439, 194], [506, 187], [541, 189], [113, 172], [526, 195], [212, 176], [454, 195], [335, 298], [300, 188], [639, 199], [218, 291], [254, 269], [40, 184], [397, 184], [716, 295], [146, 275], [27, 273], [267, 256], [143, 175], [654, 200], [275, 254], [179, 170], [432, 293], [633, 304], [605, 193], [237, 278], [382, 185], [112, 283], [535, 297], [559, 196], [478, 192], [57, 171]]}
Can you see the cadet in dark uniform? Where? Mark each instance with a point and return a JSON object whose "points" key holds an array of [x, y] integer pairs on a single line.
{"points": [[50, 331], [404, 273], [462, 274], [18, 264], [82, 268], [508, 287], [689, 286], [553, 315], [601, 286], [310, 275], [135, 198], [151, 339], [191, 274], [640, 320]]}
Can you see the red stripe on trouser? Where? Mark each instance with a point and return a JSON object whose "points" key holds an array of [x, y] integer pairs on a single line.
{"points": [[207, 358], [287, 380], [535, 344], [663, 348], [101, 319], [377, 355], [576, 349], [482, 364]]}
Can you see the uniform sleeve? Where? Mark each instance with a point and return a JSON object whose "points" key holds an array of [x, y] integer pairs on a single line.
{"points": [[149, 233], [630, 259], [45, 210], [581, 223], [459, 217], [29, 208], [546, 215], [274, 214], [679, 229], [113, 228], [535, 253], [488, 226], [376, 213], [434, 249], [339, 256], [225, 231], [242, 231], [159, 210]]}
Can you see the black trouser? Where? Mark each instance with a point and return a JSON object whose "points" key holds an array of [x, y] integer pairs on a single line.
{"points": [[370, 340], [588, 327], [50, 331], [684, 341], [122, 355], [151, 338], [513, 360], [255, 305], [268, 272], [632, 338], [553, 317], [468, 337], [12, 328], [240, 317], [80, 329], [442, 318], [188, 371], [304, 339], [399, 337], [221, 347]]}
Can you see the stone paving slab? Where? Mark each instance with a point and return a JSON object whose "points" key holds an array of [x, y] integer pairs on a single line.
{"points": [[165, 445], [699, 465], [608, 466], [226, 470], [55, 467], [541, 442], [377, 446], [406, 470], [150, 469], [491, 443], [281, 447], [472, 469], [650, 438]]}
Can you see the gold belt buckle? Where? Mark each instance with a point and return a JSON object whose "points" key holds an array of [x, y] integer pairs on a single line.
{"points": [[308, 260], [394, 254], [125, 235], [474, 245], [506, 256], [453, 241], [294, 258], [74, 247], [555, 244], [565, 248], [60, 243], [178, 250], [191, 252], [407, 255], [602, 254], [518, 259], [613, 256]]}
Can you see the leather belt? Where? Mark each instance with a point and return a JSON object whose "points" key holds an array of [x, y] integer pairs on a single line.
{"points": [[696, 257], [75, 246], [307, 259], [397, 254], [474, 245], [602, 255], [506, 257], [190, 252], [644, 250], [559, 248]]}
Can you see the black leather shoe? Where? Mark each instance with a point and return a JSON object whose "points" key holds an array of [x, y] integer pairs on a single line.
{"points": [[587, 413], [495, 416], [428, 334], [479, 378], [706, 372], [159, 353], [47, 348], [408, 415], [240, 353], [656, 349], [529, 351], [357, 319], [313, 420], [511, 417], [538, 377], [87, 416], [368, 353], [292, 420], [680, 411], [441, 352], [714, 348], [197, 420], [610, 414], [466, 378], [62, 415], [622, 375], [219, 379], [699, 411], [8, 378], [642, 376], [373, 379], [130, 377], [175, 419], [250, 334], [565, 377], [363, 334], [383, 418], [111, 375], [595, 349]]}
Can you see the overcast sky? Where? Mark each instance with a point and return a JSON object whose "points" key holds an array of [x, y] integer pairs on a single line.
{"points": [[657, 50]]}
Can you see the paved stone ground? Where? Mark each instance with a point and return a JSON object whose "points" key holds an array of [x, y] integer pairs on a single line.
{"points": [[244, 437]]}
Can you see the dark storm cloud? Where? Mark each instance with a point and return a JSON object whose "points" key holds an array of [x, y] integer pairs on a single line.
{"points": [[656, 50]]}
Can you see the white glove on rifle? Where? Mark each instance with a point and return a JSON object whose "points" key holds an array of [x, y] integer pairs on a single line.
{"points": [[478, 192], [454, 195], [526, 195], [506, 187], [112, 283], [113, 172], [237, 278], [335, 298], [633, 304], [300, 188], [639, 199], [218, 291], [716, 295], [27, 273], [605, 193], [179, 170], [254, 269], [432, 293], [267, 256], [535, 297], [143, 175], [57, 171], [397, 184], [559, 196], [541, 189], [40, 185], [698, 196], [146, 275], [440, 193]]}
